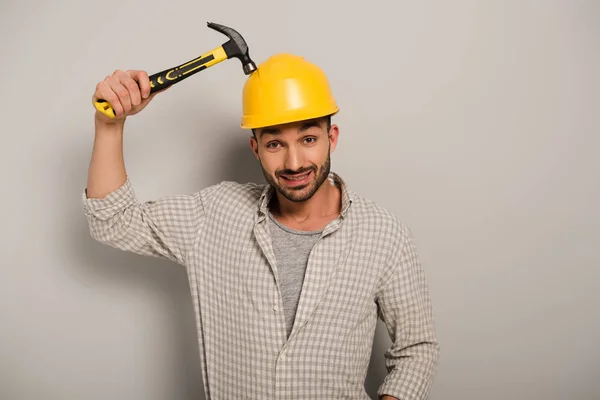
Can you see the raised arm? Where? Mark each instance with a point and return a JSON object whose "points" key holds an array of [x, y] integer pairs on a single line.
{"points": [[165, 227]]}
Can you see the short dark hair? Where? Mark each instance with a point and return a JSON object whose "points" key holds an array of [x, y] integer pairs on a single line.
{"points": [[326, 118]]}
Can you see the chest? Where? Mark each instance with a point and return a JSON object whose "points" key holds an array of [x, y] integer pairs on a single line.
{"points": [[241, 271]]}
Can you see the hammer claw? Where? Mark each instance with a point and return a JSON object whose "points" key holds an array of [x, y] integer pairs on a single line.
{"points": [[235, 47]]}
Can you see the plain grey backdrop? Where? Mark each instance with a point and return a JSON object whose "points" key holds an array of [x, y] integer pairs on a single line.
{"points": [[476, 122]]}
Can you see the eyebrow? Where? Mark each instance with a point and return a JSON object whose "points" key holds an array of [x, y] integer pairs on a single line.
{"points": [[275, 131]]}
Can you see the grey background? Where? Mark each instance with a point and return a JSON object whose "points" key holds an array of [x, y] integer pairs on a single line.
{"points": [[476, 122]]}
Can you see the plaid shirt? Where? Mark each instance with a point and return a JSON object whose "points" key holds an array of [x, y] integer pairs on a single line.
{"points": [[364, 266]]}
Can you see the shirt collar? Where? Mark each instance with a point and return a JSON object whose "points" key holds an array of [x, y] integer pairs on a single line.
{"points": [[347, 196]]}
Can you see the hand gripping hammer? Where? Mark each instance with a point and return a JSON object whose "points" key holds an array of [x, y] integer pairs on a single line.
{"points": [[235, 47]]}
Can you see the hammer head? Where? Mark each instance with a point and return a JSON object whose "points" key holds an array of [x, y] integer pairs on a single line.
{"points": [[235, 47]]}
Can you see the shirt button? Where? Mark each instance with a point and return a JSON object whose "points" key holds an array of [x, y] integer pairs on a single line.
{"points": [[275, 307]]}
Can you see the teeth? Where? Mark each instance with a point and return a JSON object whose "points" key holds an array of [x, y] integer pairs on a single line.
{"points": [[299, 178]]}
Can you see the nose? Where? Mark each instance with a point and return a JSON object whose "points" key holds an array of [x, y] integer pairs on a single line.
{"points": [[293, 159]]}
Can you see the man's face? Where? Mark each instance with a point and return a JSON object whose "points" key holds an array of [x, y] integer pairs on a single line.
{"points": [[295, 157]]}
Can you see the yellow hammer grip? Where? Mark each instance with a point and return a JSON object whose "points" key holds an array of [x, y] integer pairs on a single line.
{"points": [[168, 77]]}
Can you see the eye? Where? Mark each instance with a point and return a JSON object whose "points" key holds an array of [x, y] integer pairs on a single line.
{"points": [[310, 140], [271, 145]]}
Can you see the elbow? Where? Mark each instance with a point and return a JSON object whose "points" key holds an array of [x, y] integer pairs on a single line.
{"points": [[111, 230]]}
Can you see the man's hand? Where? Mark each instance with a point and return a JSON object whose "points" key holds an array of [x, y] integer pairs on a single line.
{"points": [[128, 93]]}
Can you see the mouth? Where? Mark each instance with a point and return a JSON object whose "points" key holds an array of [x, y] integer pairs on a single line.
{"points": [[296, 180]]}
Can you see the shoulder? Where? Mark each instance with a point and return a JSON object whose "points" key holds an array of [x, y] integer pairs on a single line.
{"points": [[231, 194], [387, 234], [380, 221], [248, 190]]}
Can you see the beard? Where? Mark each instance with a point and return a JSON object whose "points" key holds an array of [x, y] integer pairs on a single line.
{"points": [[303, 192]]}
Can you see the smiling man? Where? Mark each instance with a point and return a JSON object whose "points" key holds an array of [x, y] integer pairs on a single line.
{"points": [[300, 176], [287, 278], [295, 159]]}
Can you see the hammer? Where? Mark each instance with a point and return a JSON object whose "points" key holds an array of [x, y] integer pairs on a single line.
{"points": [[235, 47]]}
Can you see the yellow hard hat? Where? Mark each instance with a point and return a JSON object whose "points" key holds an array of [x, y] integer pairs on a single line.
{"points": [[285, 88]]}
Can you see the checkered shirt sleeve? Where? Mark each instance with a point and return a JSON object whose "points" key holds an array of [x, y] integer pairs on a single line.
{"points": [[405, 308], [164, 228]]}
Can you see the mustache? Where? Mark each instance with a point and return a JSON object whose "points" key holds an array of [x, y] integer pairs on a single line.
{"points": [[297, 172]]}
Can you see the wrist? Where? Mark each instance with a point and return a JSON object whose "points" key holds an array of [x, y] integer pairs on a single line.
{"points": [[105, 125]]}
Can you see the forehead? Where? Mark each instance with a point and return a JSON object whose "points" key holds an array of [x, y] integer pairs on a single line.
{"points": [[292, 127]]}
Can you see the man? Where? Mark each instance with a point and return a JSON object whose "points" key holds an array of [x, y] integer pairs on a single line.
{"points": [[287, 278]]}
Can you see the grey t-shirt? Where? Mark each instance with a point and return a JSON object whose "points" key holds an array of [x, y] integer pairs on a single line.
{"points": [[292, 249]]}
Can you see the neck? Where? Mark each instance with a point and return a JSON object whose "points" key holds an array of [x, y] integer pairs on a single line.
{"points": [[325, 202]]}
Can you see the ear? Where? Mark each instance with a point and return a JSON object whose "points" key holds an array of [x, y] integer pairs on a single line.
{"points": [[334, 133], [254, 146]]}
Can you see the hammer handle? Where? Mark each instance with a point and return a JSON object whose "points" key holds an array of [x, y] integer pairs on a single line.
{"points": [[164, 79]]}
